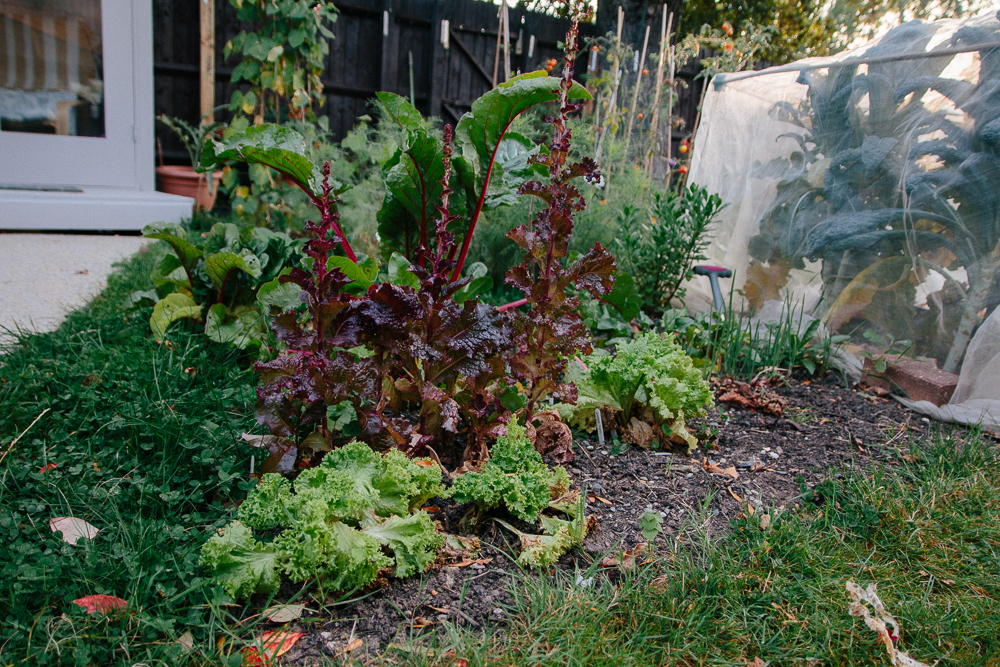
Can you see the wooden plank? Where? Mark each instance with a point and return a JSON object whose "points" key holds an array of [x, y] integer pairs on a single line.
{"points": [[476, 67], [207, 58], [437, 65], [390, 51]]}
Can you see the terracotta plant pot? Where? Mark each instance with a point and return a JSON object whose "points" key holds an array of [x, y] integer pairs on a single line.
{"points": [[184, 181]]}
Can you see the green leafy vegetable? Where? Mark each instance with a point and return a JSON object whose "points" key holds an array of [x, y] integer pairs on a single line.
{"points": [[515, 476], [241, 564], [650, 379], [340, 521]]}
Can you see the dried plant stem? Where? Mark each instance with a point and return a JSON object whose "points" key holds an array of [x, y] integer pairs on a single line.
{"points": [[14, 442]]}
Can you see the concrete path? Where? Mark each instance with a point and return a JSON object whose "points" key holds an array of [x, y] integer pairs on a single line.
{"points": [[44, 276]]}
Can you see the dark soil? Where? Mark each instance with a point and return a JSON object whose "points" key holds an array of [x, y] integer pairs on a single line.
{"points": [[825, 428]]}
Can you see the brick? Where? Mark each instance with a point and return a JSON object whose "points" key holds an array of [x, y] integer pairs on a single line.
{"points": [[919, 380]]}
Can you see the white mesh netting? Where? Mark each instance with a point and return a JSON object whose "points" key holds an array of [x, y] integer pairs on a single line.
{"points": [[866, 186]]}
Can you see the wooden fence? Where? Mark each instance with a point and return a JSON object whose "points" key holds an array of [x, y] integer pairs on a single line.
{"points": [[375, 41]]}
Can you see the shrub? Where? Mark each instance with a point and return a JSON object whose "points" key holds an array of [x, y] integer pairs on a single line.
{"points": [[658, 247]]}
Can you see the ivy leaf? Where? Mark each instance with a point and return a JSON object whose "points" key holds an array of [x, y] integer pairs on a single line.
{"points": [[279, 148]]}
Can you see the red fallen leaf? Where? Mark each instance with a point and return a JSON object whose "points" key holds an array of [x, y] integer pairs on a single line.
{"points": [[276, 644], [101, 604], [45, 469]]}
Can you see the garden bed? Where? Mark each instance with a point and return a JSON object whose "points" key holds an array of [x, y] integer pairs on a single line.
{"points": [[826, 428]]}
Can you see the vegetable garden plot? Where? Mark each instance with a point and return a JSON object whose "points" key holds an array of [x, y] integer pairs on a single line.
{"points": [[867, 186]]}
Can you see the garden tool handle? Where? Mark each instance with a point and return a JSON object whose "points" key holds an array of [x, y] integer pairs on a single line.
{"points": [[714, 273]]}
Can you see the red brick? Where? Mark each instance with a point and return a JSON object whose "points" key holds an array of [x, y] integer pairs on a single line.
{"points": [[919, 380]]}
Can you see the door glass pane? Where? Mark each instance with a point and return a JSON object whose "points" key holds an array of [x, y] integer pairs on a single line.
{"points": [[51, 67]]}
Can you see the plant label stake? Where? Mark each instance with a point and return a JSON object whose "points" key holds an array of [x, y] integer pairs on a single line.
{"points": [[600, 426]]}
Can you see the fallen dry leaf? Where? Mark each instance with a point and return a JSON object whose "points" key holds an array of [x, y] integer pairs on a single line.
{"points": [[603, 500], [101, 604], [754, 396], [712, 467], [72, 529], [284, 613], [186, 641], [660, 583], [421, 622], [275, 644], [640, 433], [423, 463], [355, 644], [734, 495], [765, 521], [431, 509], [627, 559], [440, 610], [880, 622], [756, 662]]}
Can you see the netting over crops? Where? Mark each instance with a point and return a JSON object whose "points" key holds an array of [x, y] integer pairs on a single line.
{"points": [[866, 186]]}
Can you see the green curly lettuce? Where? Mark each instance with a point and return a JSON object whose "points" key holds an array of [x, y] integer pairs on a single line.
{"points": [[413, 541], [344, 557], [515, 476], [268, 504], [343, 521], [650, 375], [241, 564]]}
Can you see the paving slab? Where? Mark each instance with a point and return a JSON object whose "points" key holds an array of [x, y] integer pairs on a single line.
{"points": [[45, 276]]}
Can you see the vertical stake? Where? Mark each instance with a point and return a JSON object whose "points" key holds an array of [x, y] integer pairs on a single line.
{"points": [[635, 95], [506, 42], [410, 55], [600, 426], [665, 27]]}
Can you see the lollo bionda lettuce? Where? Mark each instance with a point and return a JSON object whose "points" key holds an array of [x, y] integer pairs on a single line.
{"points": [[339, 522]]}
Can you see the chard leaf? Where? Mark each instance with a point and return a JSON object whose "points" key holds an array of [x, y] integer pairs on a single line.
{"points": [[279, 148], [399, 273], [169, 309], [414, 187], [400, 110], [220, 266]]}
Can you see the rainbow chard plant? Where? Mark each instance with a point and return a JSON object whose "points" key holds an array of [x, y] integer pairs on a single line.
{"points": [[416, 355]]}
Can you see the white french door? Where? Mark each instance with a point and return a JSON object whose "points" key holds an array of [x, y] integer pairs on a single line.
{"points": [[67, 93]]}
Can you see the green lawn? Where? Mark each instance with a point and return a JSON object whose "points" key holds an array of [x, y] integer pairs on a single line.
{"points": [[145, 438]]}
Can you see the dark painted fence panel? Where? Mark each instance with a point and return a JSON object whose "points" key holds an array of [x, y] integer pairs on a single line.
{"points": [[365, 58]]}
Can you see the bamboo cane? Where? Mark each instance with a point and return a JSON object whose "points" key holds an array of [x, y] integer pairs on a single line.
{"points": [[613, 100], [635, 94], [496, 55], [665, 27], [670, 115], [506, 42]]}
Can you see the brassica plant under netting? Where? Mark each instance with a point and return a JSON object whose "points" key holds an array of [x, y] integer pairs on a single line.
{"points": [[866, 186]]}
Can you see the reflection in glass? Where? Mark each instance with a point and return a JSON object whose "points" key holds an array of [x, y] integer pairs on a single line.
{"points": [[51, 67]]}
